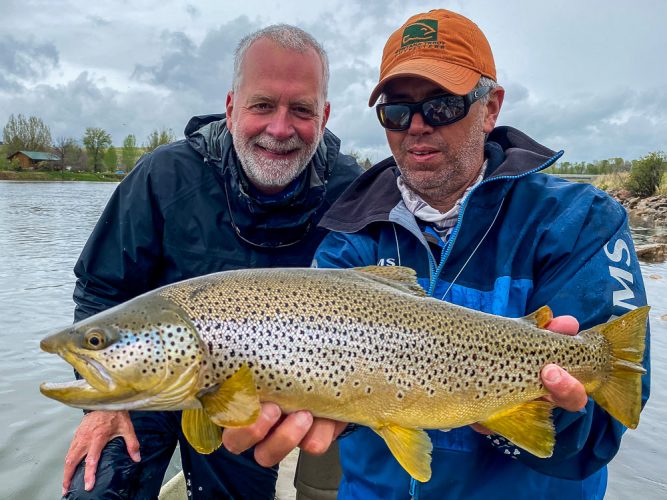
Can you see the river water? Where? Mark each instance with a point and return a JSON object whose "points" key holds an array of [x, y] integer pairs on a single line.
{"points": [[43, 227]]}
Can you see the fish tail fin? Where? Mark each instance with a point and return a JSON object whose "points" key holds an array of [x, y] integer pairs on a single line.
{"points": [[621, 393]]}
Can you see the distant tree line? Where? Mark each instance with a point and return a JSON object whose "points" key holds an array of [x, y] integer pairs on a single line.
{"points": [[600, 167], [644, 175], [92, 152]]}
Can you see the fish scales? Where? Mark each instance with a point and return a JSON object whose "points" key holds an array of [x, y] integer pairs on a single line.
{"points": [[401, 355], [362, 345]]}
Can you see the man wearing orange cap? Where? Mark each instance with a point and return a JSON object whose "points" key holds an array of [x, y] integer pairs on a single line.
{"points": [[462, 202]]}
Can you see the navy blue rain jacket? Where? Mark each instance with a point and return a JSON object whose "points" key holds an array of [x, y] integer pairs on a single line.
{"points": [[523, 240]]}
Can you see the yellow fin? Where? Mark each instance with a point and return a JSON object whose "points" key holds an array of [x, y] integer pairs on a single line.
{"points": [[528, 426], [235, 403], [411, 448], [400, 277], [201, 433], [539, 318], [621, 393]]}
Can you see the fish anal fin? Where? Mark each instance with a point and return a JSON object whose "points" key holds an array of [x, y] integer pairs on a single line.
{"points": [[410, 447], [200, 431], [235, 403], [528, 426], [539, 318], [400, 277]]}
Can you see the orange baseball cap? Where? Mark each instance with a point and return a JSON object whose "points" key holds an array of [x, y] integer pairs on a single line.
{"points": [[441, 46]]}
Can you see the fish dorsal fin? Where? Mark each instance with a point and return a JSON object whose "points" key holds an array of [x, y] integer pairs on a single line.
{"points": [[410, 447], [539, 318], [400, 277], [201, 433], [235, 403], [528, 426]]}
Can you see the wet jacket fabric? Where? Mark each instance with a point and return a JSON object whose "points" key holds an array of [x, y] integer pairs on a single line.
{"points": [[523, 239], [185, 210]]}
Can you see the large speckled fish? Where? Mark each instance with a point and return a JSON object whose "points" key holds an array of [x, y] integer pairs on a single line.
{"points": [[362, 345]]}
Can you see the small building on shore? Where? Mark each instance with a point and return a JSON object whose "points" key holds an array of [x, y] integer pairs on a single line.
{"points": [[32, 159]]}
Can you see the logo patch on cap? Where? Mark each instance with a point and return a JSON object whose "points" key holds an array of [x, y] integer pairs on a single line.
{"points": [[425, 30]]}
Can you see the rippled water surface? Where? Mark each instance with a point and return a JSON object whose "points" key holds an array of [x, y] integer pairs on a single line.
{"points": [[43, 227]]}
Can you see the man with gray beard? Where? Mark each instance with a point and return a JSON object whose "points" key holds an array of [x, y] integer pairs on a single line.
{"points": [[243, 189]]}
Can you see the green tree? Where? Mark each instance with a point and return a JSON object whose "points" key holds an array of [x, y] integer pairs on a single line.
{"points": [[27, 134], [158, 137], [4, 162], [111, 159], [129, 152], [96, 142], [646, 174]]}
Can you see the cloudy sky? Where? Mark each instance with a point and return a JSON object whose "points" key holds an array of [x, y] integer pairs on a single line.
{"points": [[587, 76]]}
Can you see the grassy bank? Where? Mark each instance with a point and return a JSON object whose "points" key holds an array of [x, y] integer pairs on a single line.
{"points": [[615, 182], [11, 175]]}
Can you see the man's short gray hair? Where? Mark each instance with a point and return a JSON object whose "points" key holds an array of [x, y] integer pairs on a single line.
{"points": [[287, 37], [485, 81]]}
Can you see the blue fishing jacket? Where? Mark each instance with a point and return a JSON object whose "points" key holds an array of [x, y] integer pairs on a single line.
{"points": [[523, 239]]}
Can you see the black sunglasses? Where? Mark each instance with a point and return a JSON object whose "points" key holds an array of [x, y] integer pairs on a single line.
{"points": [[436, 111]]}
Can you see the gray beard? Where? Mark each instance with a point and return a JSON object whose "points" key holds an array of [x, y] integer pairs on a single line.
{"points": [[273, 173]]}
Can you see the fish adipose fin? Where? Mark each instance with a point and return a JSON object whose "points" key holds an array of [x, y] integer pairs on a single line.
{"points": [[539, 318], [621, 393], [528, 426], [410, 447], [201, 433], [400, 277]]}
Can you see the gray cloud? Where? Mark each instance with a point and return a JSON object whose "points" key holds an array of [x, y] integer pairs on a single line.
{"points": [[26, 59], [98, 21], [205, 69], [192, 10], [580, 83], [617, 123]]}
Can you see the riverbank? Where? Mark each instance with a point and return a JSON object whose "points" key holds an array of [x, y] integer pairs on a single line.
{"points": [[34, 175], [652, 212]]}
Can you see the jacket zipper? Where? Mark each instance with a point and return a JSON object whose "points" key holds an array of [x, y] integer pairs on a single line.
{"points": [[447, 250]]}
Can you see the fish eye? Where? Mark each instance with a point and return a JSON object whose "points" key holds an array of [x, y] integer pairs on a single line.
{"points": [[95, 339]]}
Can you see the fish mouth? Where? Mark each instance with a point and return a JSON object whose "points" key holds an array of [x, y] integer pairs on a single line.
{"points": [[91, 370], [96, 387], [80, 394], [98, 390]]}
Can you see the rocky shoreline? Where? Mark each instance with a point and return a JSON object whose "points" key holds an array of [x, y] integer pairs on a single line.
{"points": [[650, 212]]}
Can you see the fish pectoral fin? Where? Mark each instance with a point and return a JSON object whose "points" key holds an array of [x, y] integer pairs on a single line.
{"points": [[528, 426], [235, 403], [539, 318], [410, 447], [200, 431], [400, 277]]}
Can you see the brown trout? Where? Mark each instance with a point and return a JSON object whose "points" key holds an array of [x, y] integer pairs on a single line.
{"points": [[360, 345]]}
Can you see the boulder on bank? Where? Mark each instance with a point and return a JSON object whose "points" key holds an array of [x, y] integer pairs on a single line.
{"points": [[652, 209], [654, 252]]}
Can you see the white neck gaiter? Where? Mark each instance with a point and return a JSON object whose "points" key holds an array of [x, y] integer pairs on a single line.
{"points": [[443, 223]]}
